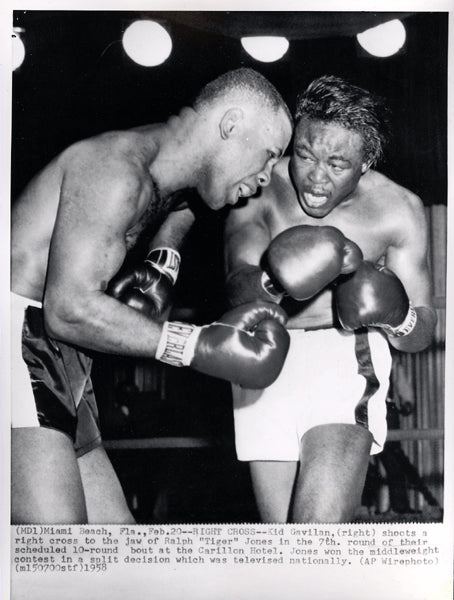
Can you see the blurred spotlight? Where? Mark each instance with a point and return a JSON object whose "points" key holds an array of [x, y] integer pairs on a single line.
{"points": [[18, 50], [265, 48], [147, 43], [383, 40]]}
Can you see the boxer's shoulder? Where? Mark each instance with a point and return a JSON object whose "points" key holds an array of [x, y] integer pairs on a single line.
{"points": [[385, 200], [393, 208], [122, 149], [378, 186], [114, 162]]}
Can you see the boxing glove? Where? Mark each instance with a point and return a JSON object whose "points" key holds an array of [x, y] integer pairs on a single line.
{"points": [[374, 296], [304, 259], [148, 287], [247, 346]]}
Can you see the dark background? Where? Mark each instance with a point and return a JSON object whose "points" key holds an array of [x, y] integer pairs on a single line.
{"points": [[76, 81]]}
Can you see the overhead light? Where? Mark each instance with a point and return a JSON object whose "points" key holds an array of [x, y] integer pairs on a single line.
{"points": [[18, 49], [265, 48], [147, 43], [383, 40]]}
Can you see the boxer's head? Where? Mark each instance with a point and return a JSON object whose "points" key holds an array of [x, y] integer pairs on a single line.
{"points": [[340, 133], [250, 128]]}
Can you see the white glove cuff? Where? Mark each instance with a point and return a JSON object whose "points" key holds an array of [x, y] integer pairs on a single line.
{"points": [[177, 343], [166, 261], [269, 288], [406, 326]]}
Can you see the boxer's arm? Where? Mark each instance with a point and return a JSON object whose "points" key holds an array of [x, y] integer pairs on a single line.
{"points": [[99, 203], [148, 285], [174, 230], [299, 262], [407, 258], [246, 238]]}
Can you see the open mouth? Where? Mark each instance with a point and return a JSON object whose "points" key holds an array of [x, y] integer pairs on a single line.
{"points": [[315, 200], [245, 191]]}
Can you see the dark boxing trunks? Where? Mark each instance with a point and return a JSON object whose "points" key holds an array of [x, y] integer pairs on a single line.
{"points": [[60, 379]]}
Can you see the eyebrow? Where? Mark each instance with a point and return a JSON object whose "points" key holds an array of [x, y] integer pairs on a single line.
{"points": [[303, 146], [338, 157]]}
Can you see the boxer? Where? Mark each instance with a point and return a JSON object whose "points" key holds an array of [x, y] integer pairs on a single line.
{"points": [[344, 250], [72, 227]]}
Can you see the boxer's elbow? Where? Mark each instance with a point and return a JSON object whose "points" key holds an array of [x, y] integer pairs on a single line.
{"points": [[64, 318]]}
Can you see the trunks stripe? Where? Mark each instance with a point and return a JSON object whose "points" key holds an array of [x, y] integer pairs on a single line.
{"points": [[366, 369]]}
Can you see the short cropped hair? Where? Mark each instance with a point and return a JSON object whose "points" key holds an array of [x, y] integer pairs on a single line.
{"points": [[247, 84], [332, 99]]}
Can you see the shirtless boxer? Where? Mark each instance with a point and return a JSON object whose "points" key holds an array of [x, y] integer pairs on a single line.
{"points": [[327, 222], [71, 229]]}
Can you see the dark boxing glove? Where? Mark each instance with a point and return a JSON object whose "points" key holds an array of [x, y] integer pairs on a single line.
{"points": [[247, 346], [148, 287], [304, 259], [374, 296]]}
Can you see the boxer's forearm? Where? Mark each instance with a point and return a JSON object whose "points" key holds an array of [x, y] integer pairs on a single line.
{"points": [[422, 334], [247, 346], [174, 231], [245, 284], [98, 322]]}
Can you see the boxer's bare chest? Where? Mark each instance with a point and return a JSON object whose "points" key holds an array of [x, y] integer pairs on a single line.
{"points": [[151, 211], [364, 223], [361, 221]]}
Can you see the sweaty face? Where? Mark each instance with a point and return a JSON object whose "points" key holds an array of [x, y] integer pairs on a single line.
{"points": [[246, 159], [326, 165]]}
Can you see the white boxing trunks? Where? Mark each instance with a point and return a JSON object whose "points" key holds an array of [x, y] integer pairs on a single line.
{"points": [[329, 376]]}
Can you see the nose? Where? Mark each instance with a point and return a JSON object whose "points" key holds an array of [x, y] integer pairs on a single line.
{"points": [[264, 177], [317, 174]]}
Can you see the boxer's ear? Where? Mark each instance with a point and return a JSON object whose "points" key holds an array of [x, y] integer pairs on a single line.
{"points": [[230, 122], [365, 167]]}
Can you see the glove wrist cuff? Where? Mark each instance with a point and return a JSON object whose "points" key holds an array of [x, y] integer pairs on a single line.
{"points": [[177, 343], [406, 326], [166, 261], [269, 287]]}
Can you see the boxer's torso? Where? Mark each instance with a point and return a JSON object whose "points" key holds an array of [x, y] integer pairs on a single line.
{"points": [[35, 212], [370, 218]]}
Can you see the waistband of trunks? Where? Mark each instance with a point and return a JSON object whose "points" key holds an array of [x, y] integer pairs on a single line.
{"points": [[22, 302]]}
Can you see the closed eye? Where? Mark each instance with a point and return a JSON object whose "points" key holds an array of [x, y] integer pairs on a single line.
{"points": [[339, 168]]}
